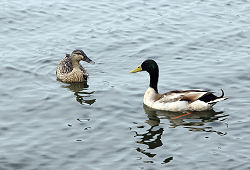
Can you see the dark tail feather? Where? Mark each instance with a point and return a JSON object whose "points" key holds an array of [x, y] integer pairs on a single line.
{"points": [[222, 95], [211, 98], [213, 102]]}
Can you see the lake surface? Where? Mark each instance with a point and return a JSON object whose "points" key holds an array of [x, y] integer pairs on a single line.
{"points": [[47, 124]]}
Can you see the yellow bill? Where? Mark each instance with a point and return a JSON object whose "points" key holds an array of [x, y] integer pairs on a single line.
{"points": [[136, 70]]}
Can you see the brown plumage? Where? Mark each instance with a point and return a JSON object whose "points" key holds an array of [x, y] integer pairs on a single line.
{"points": [[70, 69], [191, 95]]}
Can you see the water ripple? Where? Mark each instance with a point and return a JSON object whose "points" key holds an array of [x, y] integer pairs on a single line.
{"points": [[47, 124]]}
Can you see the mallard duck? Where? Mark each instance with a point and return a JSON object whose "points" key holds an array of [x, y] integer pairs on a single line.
{"points": [[70, 70], [179, 100]]}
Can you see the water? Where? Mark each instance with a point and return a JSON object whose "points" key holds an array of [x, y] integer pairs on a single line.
{"points": [[47, 124]]}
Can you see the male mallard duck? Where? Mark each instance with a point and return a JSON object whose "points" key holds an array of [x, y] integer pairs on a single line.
{"points": [[70, 70], [179, 100]]}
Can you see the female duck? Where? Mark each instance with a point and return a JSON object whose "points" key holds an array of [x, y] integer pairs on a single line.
{"points": [[70, 70], [179, 100]]}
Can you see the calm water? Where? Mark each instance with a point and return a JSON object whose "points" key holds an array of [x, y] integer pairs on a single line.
{"points": [[46, 124]]}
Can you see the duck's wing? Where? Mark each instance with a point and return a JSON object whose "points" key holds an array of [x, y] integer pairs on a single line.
{"points": [[83, 69], [65, 66], [191, 96], [85, 72]]}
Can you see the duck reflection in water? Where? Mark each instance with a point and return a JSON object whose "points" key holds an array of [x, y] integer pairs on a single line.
{"points": [[81, 93], [194, 121]]}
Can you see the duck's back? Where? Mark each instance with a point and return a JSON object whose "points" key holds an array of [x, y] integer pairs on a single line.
{"points": [[64, 67]]}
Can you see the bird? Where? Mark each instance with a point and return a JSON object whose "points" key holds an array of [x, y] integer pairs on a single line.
{"points": [[70, 70], [177, 100]]}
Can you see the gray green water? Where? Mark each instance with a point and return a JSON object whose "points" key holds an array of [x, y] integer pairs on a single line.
{"points": [[46, 124]]}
